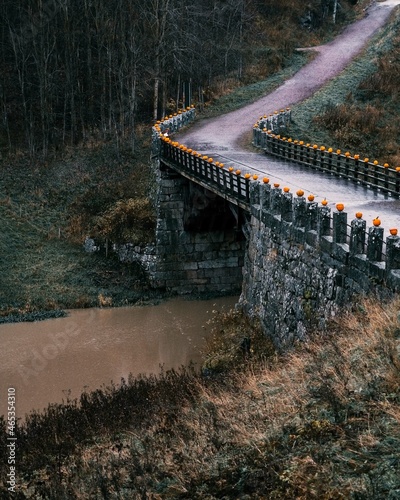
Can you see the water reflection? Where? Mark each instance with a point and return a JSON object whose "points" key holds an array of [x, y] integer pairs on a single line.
{"points": [[47, 361]]}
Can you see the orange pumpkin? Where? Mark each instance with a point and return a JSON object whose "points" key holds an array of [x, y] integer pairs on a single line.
{"points": [[359, 215], [255, 177], [311, 197], [376, 222], [324, 202], [276, 185], [300, 192], [393, 231], [265, 180], [339, 207], [286, 189]]}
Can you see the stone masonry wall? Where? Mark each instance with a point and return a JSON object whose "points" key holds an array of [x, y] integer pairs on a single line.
{"points": [[301, 264], [190, 261], [285, 284]]}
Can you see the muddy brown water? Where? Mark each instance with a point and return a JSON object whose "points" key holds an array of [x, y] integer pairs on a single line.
{"points": [[49, 361]]}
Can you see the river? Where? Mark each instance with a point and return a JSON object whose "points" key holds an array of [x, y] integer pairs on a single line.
{"points": [[50, 361]]}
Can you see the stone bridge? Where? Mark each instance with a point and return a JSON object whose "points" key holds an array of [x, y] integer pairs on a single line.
{"points": [[295, 261]]}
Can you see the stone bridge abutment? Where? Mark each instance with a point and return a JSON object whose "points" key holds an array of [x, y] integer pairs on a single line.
{"points": [[200, 244]]}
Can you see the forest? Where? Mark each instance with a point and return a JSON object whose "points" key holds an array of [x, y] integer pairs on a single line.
{"points": [[75, 71]]}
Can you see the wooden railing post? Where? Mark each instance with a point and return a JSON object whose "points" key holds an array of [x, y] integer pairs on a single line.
{"points": [[357, 236], [324, 221], [392, 253], [312, 216], [287, 207], [300, 212], [276, 195], [329, 162], [265, 196], [339, 231], [397, 188], [366, 171], [339, 159], [356, 163], [386, 178]]}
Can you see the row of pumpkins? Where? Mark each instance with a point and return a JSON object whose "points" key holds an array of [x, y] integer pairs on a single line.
{"points": [[339, 206]]}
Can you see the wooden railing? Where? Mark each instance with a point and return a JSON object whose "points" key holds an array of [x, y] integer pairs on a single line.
{"points": [[363, 171], [169, 125], [226, 182]]}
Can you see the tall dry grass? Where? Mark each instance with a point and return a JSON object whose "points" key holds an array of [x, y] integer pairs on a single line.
{"points": [[320, 422]]}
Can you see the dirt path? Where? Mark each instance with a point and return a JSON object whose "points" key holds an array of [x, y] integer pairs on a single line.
{"points": [[225, 133]]}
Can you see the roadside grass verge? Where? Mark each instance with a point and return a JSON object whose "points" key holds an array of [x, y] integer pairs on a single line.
{"points": [[319, 422], [358, 111], [240, 96]]}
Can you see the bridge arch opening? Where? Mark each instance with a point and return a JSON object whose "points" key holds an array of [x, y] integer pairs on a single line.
{"points": [[200, 238]]}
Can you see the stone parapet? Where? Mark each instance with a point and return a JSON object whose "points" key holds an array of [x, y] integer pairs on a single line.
{"points": [[296, 278]]}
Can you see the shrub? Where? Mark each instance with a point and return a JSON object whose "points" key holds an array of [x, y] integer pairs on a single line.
{"points": [[130, 220]]}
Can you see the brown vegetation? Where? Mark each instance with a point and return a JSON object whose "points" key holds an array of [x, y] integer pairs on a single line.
{"points": [[368, 122], [320, 422]]}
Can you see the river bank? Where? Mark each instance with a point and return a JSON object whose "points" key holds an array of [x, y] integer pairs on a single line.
{"points": [[56, 360], [320, 422]]}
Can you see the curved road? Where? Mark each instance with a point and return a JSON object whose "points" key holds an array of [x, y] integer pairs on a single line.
{"points": [[223, 137]]}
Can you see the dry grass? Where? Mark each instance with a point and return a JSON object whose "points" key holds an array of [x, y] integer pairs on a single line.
{"points": [[320, 422], [368, 122]]}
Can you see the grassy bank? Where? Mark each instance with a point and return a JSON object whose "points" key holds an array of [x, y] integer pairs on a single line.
{"points": [[47, 209], [359, 110], [321, 422]]}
